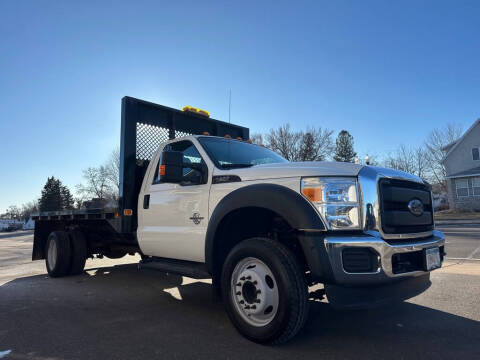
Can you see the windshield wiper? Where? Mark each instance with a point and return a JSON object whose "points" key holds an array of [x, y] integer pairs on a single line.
{"points": [[235, 166]]}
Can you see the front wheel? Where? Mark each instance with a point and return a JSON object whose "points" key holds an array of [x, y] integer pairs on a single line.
{"points": [[264, 291]]}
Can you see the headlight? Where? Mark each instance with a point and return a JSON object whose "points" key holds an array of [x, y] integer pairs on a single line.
{"points": [[336, 199]]}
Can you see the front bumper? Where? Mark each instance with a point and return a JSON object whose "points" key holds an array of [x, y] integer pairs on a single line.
{"points": [[384, 273]]}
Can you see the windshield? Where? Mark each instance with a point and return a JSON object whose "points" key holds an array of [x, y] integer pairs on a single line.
{"points": [[229, 154]]}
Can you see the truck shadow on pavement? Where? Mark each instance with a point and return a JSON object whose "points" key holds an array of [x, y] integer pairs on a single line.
{"points": [[121, 312]]}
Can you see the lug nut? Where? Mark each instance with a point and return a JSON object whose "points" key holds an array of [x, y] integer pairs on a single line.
{"points": [[242, 278], [238, 293], [247, 307], [249, 277], [239, 284], [241, 301]]}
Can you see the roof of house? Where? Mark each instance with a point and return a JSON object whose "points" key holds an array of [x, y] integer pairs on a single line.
{"points": [[470, 172], [451, 148]]}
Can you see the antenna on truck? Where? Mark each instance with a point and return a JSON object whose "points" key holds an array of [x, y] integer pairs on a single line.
{"points": [[229, 105]]}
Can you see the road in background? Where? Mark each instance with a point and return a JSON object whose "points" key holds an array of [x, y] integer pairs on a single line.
{"points": [[462, 241], [115, 311]]}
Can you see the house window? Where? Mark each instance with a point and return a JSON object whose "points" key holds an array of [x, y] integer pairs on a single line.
{"points": [[476, 153], [462, 187], [476, 186]]}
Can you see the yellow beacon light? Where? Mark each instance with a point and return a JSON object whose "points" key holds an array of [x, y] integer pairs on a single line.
{"points": [[196, 110]]}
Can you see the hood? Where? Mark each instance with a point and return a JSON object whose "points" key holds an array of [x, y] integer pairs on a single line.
{"points": [[294, 169]]}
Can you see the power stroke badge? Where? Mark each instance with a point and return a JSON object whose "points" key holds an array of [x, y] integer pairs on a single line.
{"points": [[196, 218]]}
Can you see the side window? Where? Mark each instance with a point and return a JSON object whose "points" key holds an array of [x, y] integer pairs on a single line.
{"points": [[476, 153], [190, 156], [462, 187], [476, 186]]}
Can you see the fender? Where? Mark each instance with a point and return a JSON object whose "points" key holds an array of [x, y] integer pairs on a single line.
{"points": [[290, 205]]}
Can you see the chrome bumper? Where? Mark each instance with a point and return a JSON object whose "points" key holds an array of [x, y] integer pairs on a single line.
{"points": [[335, 244]]}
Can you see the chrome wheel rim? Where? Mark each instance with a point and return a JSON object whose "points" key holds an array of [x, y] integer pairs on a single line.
{"points": [[52, 254], [254, 291]]}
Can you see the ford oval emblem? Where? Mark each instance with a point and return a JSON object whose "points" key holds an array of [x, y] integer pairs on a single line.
{"points": [[416, 207]]}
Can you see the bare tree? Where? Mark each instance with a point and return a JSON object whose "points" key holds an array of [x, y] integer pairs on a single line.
{"points": [[112, 167], [257, 139], [312, 145], [97, 184], [28, 209], [315, 144], [284, 141], [437, 145], [410, 160], [13, 212]]}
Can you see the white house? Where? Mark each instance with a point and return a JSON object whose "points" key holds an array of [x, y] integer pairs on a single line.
{"points": [[462, 166]]}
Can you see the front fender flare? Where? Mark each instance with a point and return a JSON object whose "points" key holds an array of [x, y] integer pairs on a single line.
{"points": [[293, 207]]}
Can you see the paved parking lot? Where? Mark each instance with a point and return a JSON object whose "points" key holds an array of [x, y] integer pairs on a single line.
{"points": [[115, 311]]}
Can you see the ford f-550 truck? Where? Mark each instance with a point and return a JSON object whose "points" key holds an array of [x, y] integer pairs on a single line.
{"points": [[199, 200]]}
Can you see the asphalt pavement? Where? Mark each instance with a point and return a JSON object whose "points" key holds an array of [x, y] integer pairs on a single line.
{"points": [[462, 241], [115, 311]]}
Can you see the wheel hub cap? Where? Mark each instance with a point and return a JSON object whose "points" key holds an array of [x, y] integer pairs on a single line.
{"points": [[254, 291]]}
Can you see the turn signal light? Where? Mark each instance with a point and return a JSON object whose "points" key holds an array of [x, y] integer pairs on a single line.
{"points": [[313, 194], [128, 212]]}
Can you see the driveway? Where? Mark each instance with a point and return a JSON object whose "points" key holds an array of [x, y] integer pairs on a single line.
{"points": [[115, 311]]}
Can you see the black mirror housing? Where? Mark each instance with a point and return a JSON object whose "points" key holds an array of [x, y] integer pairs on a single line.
{"points": [[171, 167]]}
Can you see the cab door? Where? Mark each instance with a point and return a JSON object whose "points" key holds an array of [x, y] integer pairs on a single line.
{"points": [[174, 217]]}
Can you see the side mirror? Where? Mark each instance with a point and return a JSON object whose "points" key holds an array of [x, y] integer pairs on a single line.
{"points": [[171, 167]]}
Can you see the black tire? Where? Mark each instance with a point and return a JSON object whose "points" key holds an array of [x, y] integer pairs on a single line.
{"points": [[293, 304], [78, 245], [60, 265]]}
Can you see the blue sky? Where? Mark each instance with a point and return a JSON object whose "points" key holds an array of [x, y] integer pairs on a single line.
{"points": [[387, 71]]}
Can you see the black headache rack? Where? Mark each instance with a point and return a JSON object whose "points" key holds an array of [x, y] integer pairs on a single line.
{"points": [[145, 126]]}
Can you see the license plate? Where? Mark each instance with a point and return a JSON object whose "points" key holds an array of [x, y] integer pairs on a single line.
{"points": [[432, 258]]}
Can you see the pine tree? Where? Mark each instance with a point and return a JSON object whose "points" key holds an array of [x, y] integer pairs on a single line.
{"points": [[55, 196], [344, 148], [67, 198], [307, 148]]}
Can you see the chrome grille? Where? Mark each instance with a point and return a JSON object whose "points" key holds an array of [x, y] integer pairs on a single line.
{"points": [[396, 217]]}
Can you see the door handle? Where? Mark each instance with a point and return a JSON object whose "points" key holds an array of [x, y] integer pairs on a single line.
{"points": [[146, 201]]}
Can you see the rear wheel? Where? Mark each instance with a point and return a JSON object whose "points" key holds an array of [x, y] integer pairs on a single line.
{"points": [[57, 254], [264, 291]]}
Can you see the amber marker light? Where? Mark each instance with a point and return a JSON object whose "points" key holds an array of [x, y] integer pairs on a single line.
{"points": [[128, 212], [314, 194]]}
